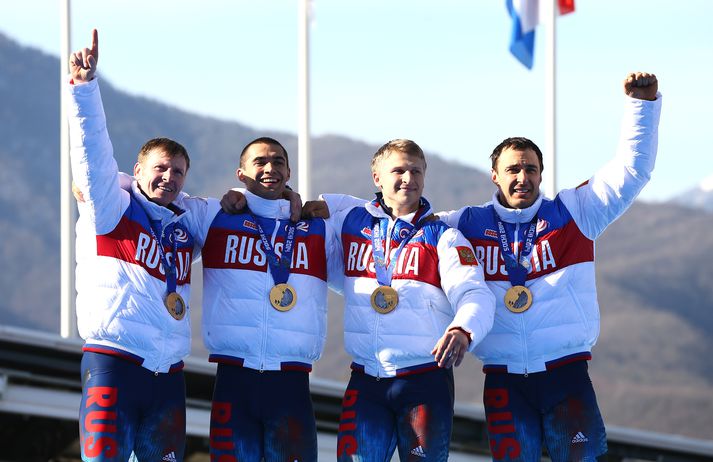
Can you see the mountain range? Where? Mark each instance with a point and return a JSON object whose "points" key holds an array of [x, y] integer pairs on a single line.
{"points": [[651, 366], [699, 197]]}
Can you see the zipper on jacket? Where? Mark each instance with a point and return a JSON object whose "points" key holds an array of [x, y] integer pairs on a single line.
{"points": [[387, 253], [166, 328], [376, 345], [523, 330], [263, 333], [266, 309], [163, 347], [524, 342]]}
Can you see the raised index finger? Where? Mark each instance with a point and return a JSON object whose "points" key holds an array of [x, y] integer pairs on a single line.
{"points": [[95, 44]]}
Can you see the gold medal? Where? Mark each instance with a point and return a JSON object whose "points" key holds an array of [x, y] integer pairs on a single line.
{"points": [[283, 297], [384, 299], [518, 299], [175, 305]]}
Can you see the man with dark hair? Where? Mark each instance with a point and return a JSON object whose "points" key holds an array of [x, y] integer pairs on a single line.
{"points": [[134, 253], [516, 143], [264, 313], [538, 255]]}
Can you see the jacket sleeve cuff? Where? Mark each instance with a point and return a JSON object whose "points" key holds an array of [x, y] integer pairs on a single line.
{"points": [[467, 334]]}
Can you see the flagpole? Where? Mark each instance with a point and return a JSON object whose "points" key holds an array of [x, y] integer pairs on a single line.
{"points": [[68, 318], [549, 15], [303, 141]]}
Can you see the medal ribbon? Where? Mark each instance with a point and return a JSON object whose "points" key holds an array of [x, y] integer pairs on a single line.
{"points": [[384, 272], [168, 269], [279, 266], [517, 268]]}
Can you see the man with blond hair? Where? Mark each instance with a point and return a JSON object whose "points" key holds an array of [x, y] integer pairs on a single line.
{"points": [[415, 303]]}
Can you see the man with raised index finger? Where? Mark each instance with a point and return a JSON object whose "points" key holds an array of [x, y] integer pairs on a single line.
{"points": [[134, 253]]}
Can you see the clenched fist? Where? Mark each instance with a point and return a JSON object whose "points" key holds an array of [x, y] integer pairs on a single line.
{"points": [[641, 85]]}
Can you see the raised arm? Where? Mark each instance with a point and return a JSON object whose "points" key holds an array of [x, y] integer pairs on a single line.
{"points": [[94, 169], [595, 204]]}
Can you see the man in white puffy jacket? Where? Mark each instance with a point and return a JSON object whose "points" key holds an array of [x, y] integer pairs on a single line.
{"points": [[538, 256], [134, 252], [264, 312], [416, 302]]}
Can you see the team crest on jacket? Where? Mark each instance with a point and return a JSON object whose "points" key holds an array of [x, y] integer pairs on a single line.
{"points": [[181, 235], [366, 231], [403, 232], [249, 224], [491, 233], [542, 225], [466, 255]]}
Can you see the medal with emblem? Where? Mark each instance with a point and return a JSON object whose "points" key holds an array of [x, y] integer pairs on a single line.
{"points": [[384, 299], [283, 297], [175, 305], [518, 299]]}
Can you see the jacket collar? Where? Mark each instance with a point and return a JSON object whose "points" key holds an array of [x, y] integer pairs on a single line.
{"points": [[267, 208], [173, 212], [509, 215], [378, 209]]}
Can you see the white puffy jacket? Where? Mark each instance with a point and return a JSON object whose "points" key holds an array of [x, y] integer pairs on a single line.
{"points": [[440, 286], [239, 324], [120, 281], [562, 325]]}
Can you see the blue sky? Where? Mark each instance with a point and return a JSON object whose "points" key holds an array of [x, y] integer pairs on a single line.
{"points": [[438, 72]]}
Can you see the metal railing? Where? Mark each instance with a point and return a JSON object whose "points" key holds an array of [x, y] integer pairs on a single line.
{"points": [[40, 388]]}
